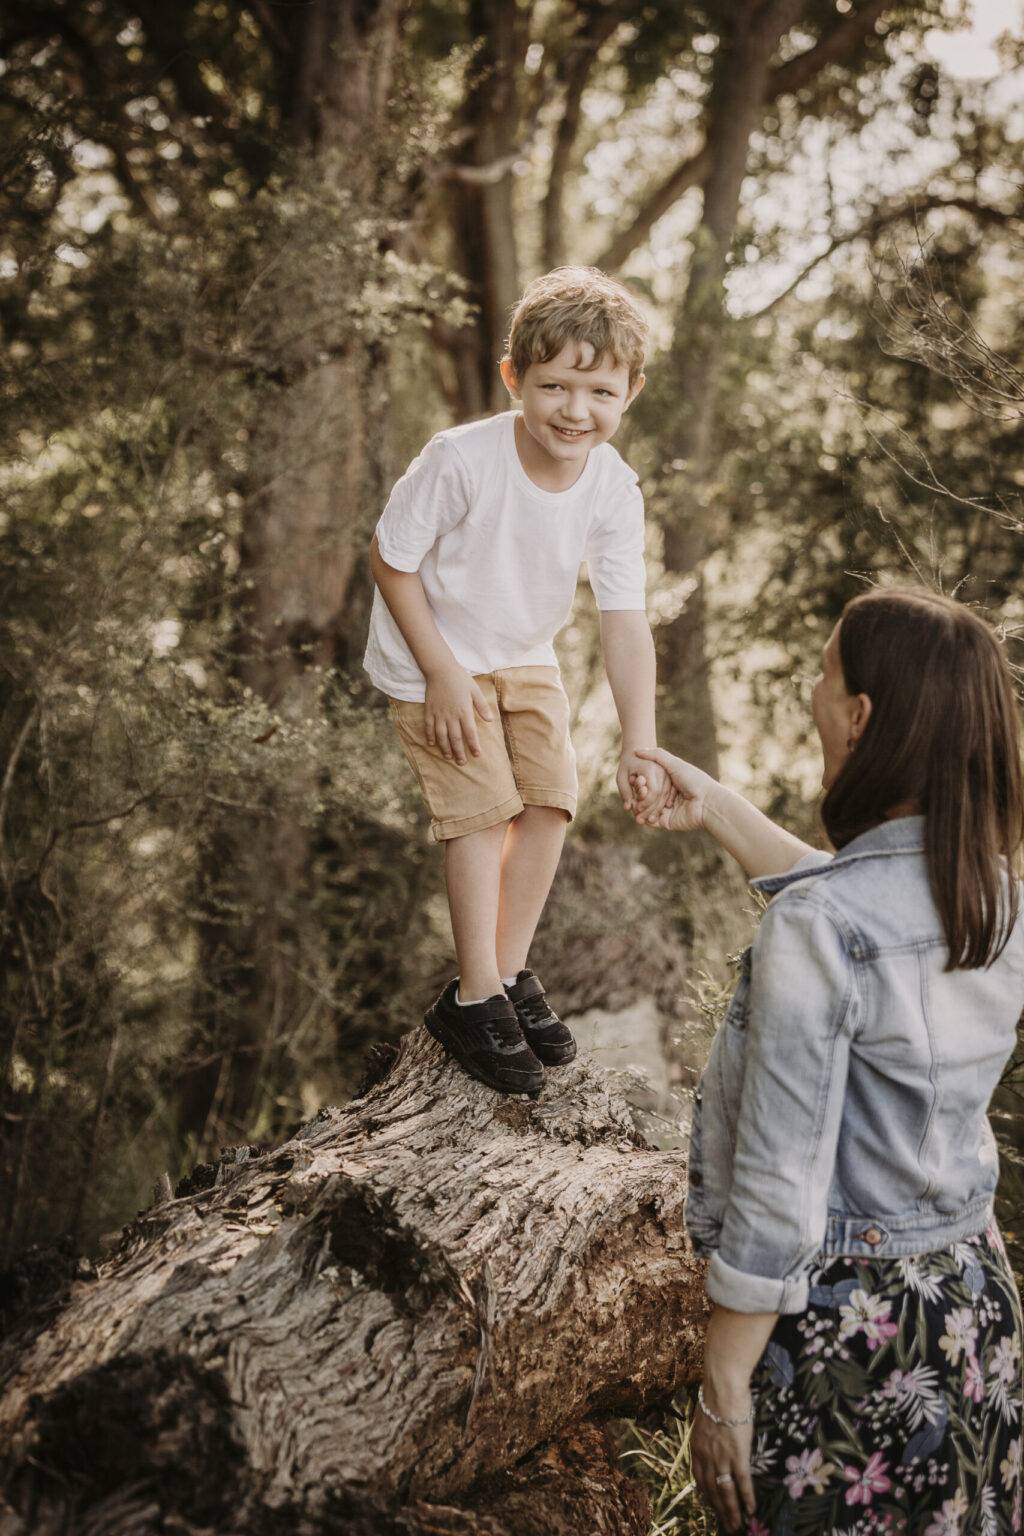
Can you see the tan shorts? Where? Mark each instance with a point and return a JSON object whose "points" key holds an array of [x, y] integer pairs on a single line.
{"points": [[526, 757]]}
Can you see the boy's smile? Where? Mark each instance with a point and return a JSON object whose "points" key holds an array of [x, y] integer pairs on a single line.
{"points": [[569, 407]]}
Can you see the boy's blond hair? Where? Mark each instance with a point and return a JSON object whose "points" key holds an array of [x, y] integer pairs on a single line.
{"points": [[577, 304]]}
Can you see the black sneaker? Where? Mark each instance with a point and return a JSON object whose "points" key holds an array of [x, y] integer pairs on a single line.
{"points": [[487, 1040], [546, 1035]]}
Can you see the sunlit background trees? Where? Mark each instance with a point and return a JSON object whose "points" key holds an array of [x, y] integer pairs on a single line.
{"points": [[251, 256]]}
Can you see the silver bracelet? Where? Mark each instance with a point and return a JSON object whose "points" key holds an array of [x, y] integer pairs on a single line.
{"points": [[729, 1423]]}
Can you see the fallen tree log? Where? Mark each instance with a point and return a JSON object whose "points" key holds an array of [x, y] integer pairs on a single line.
{"points": [[407, 1318]]}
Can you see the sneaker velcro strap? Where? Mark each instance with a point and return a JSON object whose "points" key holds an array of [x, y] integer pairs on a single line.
{"points": [[499, 1015]]}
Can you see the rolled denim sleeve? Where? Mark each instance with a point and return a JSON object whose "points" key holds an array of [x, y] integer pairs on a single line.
{"points": [[802, 1008]]}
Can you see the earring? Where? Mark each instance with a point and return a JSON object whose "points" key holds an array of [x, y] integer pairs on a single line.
{"points": [[850, 743]]}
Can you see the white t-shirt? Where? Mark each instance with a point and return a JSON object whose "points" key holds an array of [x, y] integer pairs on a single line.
{"points": [[499, 558]]}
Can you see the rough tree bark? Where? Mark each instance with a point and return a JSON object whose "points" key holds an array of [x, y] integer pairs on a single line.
{"points": [[482, 216], [406, 1318]]}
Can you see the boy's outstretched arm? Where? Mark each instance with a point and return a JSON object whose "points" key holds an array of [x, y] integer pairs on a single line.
{"points": [[453, 698], [628, 647]]}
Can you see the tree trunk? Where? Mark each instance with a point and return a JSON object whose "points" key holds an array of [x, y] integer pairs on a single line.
{"points": [[405, 1318], [319, 452], [744, 81], [482, 216], [573, 73], [740, 85]]}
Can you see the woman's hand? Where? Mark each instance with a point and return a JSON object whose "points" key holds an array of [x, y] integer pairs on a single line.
{"points": [[691, 788], [721, 1466], [720, 1453]]}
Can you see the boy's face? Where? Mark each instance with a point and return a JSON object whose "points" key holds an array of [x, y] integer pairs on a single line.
{"points": [[569, 406]]}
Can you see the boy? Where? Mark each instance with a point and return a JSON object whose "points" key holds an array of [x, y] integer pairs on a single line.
{"points": [[476, 559]]}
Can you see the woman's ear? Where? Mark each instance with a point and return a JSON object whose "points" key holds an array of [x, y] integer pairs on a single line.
{"points": [[860, 714], [509, 378]]}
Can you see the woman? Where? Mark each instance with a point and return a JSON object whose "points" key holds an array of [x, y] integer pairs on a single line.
{"points": [[862, 1367]]}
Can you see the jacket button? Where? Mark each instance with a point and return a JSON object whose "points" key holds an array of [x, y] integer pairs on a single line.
{"points": [[873, 1236]]}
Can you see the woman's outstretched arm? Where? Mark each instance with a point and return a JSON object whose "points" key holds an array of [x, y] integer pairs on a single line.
{"points": [[758, 845]]}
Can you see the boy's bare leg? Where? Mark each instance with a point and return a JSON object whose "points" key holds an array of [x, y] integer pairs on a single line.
{"points": [[529, 858], [472, 868]]}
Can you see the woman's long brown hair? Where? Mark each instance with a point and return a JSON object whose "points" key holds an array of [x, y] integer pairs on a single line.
{"points": [[943, 736]]}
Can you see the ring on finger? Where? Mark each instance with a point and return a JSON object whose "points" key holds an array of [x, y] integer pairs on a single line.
{"points": [[721, 1478]]}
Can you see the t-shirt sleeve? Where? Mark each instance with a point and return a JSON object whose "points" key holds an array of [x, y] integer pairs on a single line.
{"points": [[614, 551], [429, 500]]}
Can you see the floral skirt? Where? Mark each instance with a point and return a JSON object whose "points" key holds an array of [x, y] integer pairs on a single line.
{"points": [[893, 1404]]}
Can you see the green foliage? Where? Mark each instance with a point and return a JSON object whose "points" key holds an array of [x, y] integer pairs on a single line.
{"points": [[853, 451], [128, 743], [144, 775]]}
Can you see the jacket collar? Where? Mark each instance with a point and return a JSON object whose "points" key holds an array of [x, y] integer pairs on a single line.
{"points": [[904, 834]]}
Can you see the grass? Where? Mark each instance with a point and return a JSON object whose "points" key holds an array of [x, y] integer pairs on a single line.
{"points": [[659, 1457]]}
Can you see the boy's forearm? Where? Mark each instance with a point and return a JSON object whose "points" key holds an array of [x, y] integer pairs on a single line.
{"points": [[407, 603], [628, 648]]}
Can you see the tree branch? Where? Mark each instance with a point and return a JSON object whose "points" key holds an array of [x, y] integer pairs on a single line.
{"points": [[691, 173], [834, 48], [5, 870], [8, 779], [924, 328], [932, 483], [89, 821], [873, 226], [573, 72]]}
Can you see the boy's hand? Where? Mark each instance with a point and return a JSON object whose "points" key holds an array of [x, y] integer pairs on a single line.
{"points": [[449, 713], [689, 787], [645, 787]]}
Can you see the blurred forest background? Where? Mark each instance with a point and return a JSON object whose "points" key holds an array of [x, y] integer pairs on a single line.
{"points": [[251, 256]]}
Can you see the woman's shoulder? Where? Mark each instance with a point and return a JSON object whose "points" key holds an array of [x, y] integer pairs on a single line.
{"points": [[878, 898]]}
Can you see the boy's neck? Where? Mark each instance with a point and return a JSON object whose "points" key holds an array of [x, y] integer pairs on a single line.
{"points": [[547, 474]]}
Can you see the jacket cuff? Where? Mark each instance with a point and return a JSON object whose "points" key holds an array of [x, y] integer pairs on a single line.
{"points": [[741, 1292]]}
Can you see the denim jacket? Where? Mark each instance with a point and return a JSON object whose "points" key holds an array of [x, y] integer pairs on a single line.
{"points": [[843, 1106]]}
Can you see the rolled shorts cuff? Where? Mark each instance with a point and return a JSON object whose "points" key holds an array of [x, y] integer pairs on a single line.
{"points": [[742, 1292], [557, 799], [461, 826]]}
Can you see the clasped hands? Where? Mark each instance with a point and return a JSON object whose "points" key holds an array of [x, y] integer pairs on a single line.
{"points": [[666, 791]]}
